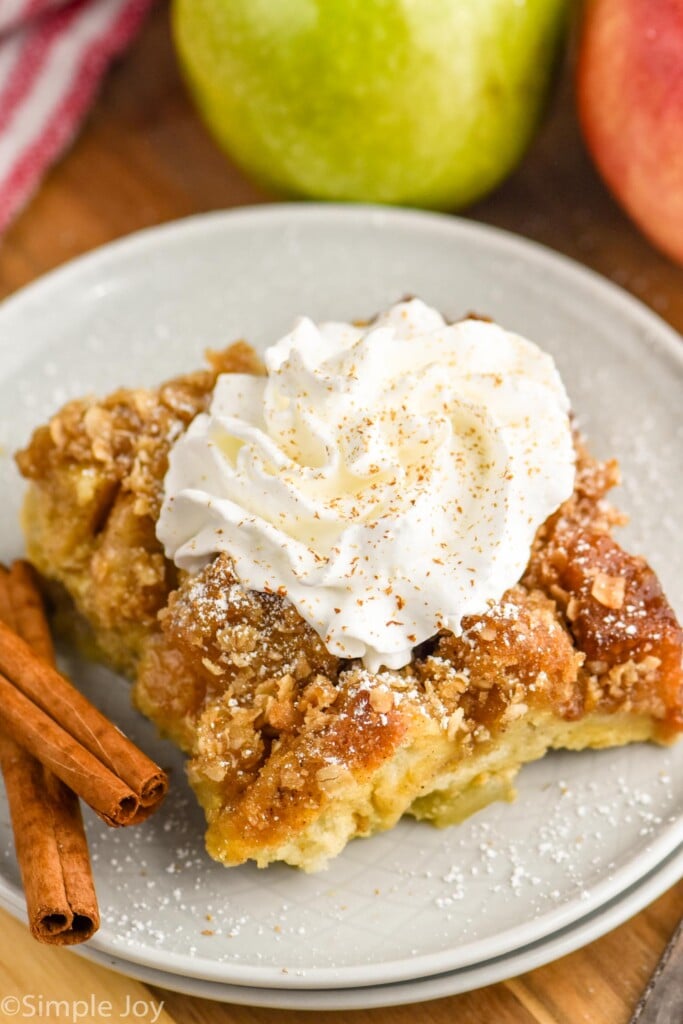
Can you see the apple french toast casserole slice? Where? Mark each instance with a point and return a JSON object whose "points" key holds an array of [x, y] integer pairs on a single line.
{"points": [[293, 751]]}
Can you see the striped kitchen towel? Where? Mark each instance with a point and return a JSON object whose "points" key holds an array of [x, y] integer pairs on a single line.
{"points": [[53, 54]]}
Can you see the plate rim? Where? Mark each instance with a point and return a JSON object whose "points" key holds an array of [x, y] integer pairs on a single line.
{"points": [[558, 944], [381, 215], [659, 334]]}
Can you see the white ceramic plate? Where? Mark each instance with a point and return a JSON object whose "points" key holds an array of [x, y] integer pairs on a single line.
{"points": [[583, 931], [413, 902]]}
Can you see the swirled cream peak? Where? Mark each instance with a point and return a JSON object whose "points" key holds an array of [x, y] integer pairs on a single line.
{"points": [[387, 479]]}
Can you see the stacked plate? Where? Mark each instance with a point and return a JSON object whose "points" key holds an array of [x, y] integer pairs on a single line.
{"points": [[415, 913]]}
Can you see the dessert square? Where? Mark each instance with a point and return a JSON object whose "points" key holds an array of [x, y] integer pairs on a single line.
{"points": [[306, 726]]}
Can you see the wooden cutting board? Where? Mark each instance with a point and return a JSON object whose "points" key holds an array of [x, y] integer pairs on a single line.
{"points": [[144, 158]]}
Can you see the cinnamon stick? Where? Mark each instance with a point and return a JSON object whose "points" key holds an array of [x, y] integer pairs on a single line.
{"points": [[30, 621], [6, 609], [56, 749], [49, 692], [51, 850], [49, 837]]}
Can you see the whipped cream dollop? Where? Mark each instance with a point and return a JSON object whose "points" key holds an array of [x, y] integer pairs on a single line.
{"points": [[387, 479]]}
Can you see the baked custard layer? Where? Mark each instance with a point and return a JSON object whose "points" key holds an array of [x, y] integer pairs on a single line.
{"points": [[292, 751]]}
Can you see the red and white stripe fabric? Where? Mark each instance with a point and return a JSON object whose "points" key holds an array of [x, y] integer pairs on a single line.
{"points": [[53, 54]]}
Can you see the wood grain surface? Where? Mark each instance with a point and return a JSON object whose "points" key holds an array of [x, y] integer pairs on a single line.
{"points": [[144, 158]]}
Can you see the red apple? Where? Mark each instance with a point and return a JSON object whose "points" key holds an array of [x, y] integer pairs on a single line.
{"points": [[630, 100]]}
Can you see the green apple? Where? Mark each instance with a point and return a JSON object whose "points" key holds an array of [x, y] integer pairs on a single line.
{"points": [[421, 102]]}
